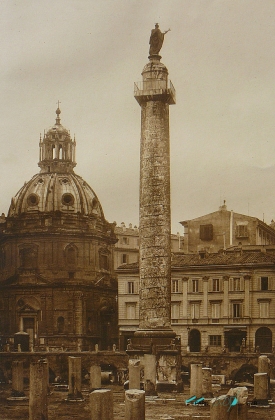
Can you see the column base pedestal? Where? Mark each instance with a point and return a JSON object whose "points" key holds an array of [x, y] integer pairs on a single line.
{"points": [[165, 345]]}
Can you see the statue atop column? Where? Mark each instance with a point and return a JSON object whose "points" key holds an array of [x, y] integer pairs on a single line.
{"points": [[156, 40]]}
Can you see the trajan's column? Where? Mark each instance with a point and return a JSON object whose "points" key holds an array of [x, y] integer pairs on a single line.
{"points": [[154, 95]]}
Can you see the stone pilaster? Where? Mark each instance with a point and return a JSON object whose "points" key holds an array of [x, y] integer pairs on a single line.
{"points": [[225, 296], [184, 297], [247, 279], [205, 296]]}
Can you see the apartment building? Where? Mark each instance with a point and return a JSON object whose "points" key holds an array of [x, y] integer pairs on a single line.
{"points": [[220, 302], [126, 249], [223, 228]]}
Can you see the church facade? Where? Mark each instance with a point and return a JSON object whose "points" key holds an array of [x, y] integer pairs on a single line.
{"points": [[57, 281]]}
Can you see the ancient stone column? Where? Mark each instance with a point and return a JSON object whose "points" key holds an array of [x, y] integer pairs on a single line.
{"points": [[238, 411], [95, 377], [154, 95], [261, 387], [264, 367], [221, 408], [17, 376], [134, 374], [134, 404], [78, 313], [38, 400], [101, 404], [74, 378], [150, 374], [207, 382], [263, 364], [196, 380]]}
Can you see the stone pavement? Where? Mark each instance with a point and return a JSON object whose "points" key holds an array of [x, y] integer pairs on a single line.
{"points": [[165, 405]]}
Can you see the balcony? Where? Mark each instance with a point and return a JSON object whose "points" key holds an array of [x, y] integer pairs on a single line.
{"points": [[155, 90]]}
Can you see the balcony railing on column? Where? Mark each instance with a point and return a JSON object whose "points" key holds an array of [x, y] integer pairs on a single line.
{"points": [[152, 89]]}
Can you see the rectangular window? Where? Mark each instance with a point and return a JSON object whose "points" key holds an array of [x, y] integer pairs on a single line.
{"points": [[264, 309], [130, 310], [216, 310], [236, 284], [124, 259], [241, 231], [264, 283], [175, 286], [131, 287], [237, 310], [175, 311], [195, 285], [215, 340], [125, 240], [104, 261], [206, 232], [195, 310], [216, 285]]}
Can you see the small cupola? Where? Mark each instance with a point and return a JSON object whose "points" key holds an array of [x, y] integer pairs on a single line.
{"points": [[57, 149]]}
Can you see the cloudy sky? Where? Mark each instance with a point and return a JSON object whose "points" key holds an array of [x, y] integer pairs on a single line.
{"points": [[88, 53]]}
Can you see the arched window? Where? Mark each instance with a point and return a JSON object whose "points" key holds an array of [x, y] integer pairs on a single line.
{"points": [[60, 325], [263, 339], [71, 255]]}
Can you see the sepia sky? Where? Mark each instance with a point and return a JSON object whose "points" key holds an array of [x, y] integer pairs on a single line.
{"points": [[88, 53]]}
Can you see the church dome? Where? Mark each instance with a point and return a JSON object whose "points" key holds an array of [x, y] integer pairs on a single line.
{"points": [[49, 192], [56, 188]]}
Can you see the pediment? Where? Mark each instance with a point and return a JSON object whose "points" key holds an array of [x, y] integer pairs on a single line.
{"points": [[27, 308]]}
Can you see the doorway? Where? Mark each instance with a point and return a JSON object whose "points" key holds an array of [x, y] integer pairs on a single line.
{"points": [[28, 327], [195, 341], [233, 339]]}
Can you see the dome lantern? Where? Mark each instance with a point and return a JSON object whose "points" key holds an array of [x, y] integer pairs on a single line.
{"points": [[57, 149]]}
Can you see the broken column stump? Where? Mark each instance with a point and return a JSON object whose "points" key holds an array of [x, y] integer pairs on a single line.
{"points": [[95, 377], [196, 380], [101, 404], [74, 394], [134, 404], [38, 401], [134, 374], [17, 393], [261, 389]]}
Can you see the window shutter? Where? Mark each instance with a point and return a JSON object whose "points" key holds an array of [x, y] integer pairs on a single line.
{"points": [[242, 284], [231, 284], [259, 283], [271, 283], [210, 285]]}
